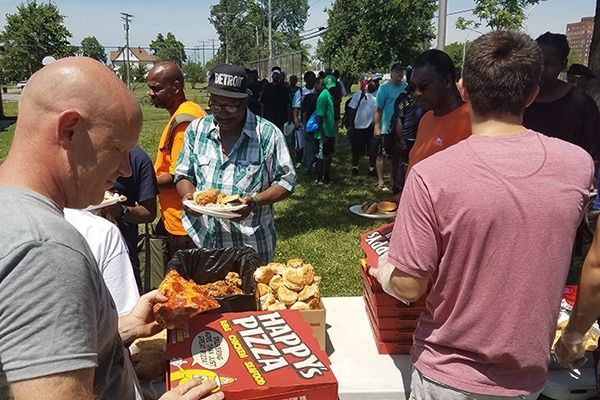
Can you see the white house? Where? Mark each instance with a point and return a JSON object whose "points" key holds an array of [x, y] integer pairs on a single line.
{"points": [[137, 56]]}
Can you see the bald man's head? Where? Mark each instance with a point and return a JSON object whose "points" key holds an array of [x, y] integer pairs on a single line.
{"points": [[166, 86], [80, 121]]}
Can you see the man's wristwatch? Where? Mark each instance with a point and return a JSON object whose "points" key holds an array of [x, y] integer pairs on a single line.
{"points": [[255, 201]]}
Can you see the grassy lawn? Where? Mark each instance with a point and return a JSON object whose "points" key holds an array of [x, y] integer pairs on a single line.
{"points": [[313, 224]]}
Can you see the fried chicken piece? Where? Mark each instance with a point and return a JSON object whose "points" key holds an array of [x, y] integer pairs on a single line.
{"points": [[207, 197], [233, 278], [221, 289]]}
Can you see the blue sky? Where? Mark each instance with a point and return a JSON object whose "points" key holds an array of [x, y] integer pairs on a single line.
{"points": [[188, 19]]}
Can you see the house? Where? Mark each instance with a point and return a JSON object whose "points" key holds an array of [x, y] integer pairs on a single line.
{"points": [[137, 56]]}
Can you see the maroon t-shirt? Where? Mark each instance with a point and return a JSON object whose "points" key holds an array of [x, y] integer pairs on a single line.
{"points": [[491, 222]]}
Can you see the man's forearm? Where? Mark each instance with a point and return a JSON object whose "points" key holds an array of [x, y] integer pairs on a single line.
{"points": [[377, 119], [296, 116], [127, 330], [165, 180], [184, 187], [587, 305], [143, 213], [272, 195]]}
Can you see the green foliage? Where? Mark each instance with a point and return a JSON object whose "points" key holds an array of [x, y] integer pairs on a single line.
{"points": [[90, 47], [455, 51], [36, 30], [138, 73], [194, 73], [357, 41], [498, 14], [242, 26], [168, 49]]}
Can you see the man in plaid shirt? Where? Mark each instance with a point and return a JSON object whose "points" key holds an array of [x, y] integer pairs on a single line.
{"points": [[235, 152]]}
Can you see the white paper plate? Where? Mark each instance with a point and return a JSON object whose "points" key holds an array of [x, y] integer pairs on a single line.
{"points": [[219, 212], [356, 210], [107, 203]]}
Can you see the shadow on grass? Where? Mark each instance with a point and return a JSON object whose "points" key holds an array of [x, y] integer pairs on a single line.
{"points": [[314, 206]]}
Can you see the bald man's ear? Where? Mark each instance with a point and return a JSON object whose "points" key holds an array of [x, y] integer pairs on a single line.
{"points": [[177, 85], [67, 123]]}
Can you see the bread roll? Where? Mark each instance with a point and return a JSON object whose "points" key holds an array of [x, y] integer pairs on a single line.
{"points": [[295, 263], [299, 305], [263, 275], [263, 289], [276, 306], [287, 296], [276, 282], [293, 278]]}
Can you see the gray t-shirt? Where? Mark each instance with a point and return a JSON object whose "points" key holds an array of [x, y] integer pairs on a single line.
{"points": [[56, 314]]}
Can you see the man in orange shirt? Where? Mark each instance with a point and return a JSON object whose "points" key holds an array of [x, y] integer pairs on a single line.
{"points": [[446, 121], [166, 89]]}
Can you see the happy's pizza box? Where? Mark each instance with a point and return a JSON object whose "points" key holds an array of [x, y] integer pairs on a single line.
{"points": [[267, 355], [376, 243]]}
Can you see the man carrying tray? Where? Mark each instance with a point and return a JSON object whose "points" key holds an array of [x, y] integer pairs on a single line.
{"points": [[495, 258], [235, 152]]}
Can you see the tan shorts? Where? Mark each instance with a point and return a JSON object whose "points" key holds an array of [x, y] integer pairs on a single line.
{"points": [[422, 388]]}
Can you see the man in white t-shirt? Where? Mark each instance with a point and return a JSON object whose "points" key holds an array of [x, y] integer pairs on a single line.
{"points": [[110, 252], [361, 123]]}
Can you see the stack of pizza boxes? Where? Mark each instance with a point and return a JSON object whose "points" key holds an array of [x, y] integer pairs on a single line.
{"points": [[393, 322]]}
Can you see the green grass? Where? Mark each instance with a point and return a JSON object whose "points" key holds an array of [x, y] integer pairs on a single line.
{"points": [[313, 224]]}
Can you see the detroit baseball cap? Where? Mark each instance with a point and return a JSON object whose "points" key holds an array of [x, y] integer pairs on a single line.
{"points": [[228, 80]]}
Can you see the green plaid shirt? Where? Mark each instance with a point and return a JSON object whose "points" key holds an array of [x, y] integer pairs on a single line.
{"points": [[258, 160]]}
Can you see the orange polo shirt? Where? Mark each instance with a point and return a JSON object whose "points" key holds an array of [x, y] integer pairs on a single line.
{"points": [[437, 133], [166, 160]]}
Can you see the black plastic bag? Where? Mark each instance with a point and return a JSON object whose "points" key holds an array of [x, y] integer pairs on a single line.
{"points": [[206, 266]]}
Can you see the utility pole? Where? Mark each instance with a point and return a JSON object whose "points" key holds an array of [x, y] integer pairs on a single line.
{"points": [[441, 37], [270, 37], [213, 46], [203, 56], [127, 18]]}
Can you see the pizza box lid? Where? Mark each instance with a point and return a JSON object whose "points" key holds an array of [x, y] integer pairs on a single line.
{"points": [[252, 355], [375, 243]]}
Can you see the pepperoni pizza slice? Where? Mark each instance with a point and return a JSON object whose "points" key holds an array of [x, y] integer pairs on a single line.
{"points": [[186, 299]]}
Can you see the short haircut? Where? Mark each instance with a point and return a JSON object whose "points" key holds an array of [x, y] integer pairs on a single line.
{"points": [[309, 75], [440, 61], [557, 41], [500, 72], [397, 67]]}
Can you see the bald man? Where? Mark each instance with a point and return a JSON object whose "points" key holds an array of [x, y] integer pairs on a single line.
{"points": [[60, 337], [166, 89]]}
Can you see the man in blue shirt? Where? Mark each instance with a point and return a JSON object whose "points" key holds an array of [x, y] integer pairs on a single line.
{"points": [[383, 141]]}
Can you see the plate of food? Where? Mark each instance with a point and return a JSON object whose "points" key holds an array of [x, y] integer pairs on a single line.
{"points": [[109, 200], [375, 209], [213, 203]]}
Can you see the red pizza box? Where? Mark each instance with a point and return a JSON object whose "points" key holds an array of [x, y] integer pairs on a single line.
{"points": [[390, 347], [266, 355], [376, 243], [403, 325], [390, 335]]}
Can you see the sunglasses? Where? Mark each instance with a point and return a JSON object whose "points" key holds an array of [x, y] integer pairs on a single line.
{"points": [[216, 109]]}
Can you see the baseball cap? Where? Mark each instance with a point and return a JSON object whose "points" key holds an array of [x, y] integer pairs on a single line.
{"points": [[275, 71], [377, 77], [330, 82], [228, 80], [582, 70]]}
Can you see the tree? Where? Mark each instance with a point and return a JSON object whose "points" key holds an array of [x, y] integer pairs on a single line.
{"points": [[90, 47], [35, 31], [168, 49], [456, 51], [498, 14], [357, 41], [242, 26], [139, 73], [194, 73]]}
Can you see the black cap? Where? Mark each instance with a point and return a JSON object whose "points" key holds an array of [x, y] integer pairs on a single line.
{"points": [[228, 80], [580, 69]]}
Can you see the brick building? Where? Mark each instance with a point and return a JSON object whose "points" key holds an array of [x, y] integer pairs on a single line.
{"points": [[579, 35]]}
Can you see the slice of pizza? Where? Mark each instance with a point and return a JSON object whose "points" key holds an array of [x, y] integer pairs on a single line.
{"points": [[186, 299]]}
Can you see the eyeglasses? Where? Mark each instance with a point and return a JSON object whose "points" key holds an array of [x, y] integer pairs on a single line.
{"points": [[218, 109]]}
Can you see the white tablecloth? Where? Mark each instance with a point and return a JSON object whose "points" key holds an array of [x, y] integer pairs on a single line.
{"points": [[362, 373]]}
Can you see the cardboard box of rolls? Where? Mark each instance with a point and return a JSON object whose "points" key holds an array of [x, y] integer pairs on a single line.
{"points": [[295, 286]]}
